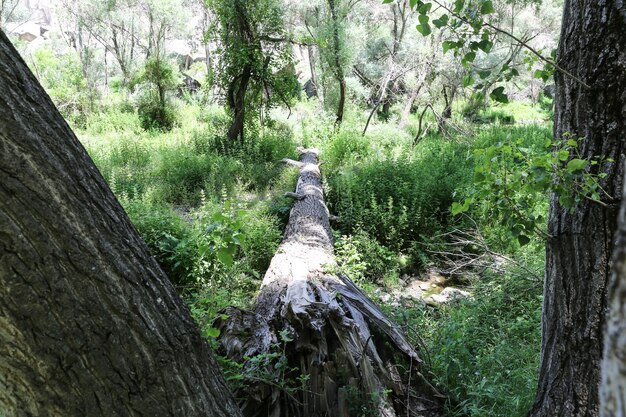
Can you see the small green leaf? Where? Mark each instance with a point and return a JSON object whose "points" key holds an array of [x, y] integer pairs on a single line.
{"points": [[476, 25], [424, 27], [211, 332], [523, 240], [467, 81], [484, 74], [225, 256], [498, 95], [447, 45], [456, 208], [566, 201], [485, 45], [469, 57], [576, 165], [487, 7], [441, 22], [563, 155], [458, 5], [425, 8]]}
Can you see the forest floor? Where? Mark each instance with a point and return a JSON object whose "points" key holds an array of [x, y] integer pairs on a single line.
{"points": [[213, 214]]}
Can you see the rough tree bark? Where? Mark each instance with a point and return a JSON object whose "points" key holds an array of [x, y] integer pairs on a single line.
{"points": [[339, 338], [89, 323], [593, 47], [613, 386]]}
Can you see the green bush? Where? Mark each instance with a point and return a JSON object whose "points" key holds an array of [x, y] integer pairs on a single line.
{"points": [[184, 174], [400, 201], [155, 109], [483, 352], [154, 115], [365, 260], [121, 118], [62, 77], [163, 230], [345, 147], [263, 234], [488, 115]]}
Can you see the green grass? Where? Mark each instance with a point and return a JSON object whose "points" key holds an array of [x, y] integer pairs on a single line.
{"points": [[482, 353]]}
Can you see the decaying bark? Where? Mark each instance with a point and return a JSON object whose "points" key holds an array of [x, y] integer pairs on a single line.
{"points": [[336, 336]]}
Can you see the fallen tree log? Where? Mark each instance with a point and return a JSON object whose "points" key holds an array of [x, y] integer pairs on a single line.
{"points": [[317, 328]]}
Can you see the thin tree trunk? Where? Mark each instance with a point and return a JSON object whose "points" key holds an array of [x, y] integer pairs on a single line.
{"points": [[380, 100], [409, 104], [336, 51], [326, 328], [311, 54], [237, 102], [89, 323], [593, 45], [613, 385]]}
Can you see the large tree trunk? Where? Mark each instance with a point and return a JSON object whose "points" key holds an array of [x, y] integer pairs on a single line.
{"points": [[89, 323], [613, 387], [593, 47], [325, 327]]}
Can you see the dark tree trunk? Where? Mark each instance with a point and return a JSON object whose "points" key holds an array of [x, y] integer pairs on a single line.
{"points": [[237, 103], [593, 47], [89, 323], [336, 336], [336, 59], [613, 386]]}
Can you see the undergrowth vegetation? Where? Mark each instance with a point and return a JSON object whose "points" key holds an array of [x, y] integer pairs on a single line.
{"points": [[212, 213]]}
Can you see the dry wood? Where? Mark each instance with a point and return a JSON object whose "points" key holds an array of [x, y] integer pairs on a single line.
{"points": [[337, 337]]}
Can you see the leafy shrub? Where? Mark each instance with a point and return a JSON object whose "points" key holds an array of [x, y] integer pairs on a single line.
{"points": [[113, 120], [365, 260], [491, 116], [183, 174], [483, 352], [347, 146], [155, 110], [162, 229], [397, 201], [262, 233], [154, 115]]}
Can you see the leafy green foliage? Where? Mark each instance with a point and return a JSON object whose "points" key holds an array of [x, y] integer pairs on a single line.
{"points": [[255, 66], [483, 352], [366, 261], [486, 354], [398, 200], [155, 110], [512, 179], [64, 81]]}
